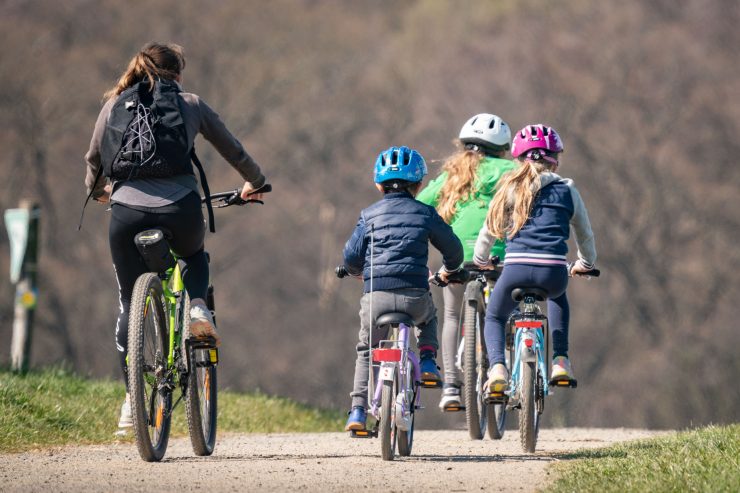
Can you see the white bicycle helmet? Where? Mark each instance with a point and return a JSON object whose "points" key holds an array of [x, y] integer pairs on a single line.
{"points": [[487, 131]]}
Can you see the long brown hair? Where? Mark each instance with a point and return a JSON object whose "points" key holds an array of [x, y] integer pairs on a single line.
{"points": [[461, 169], [154, 61], [511, 205]]}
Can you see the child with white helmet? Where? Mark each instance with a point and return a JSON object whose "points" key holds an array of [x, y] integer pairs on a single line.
{"points": [[533, 210], [400, 229], [461, 194]]}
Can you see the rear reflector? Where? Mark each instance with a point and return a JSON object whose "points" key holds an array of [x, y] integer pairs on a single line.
{"points": [[528, 324], [386, 354], [528, 342]]}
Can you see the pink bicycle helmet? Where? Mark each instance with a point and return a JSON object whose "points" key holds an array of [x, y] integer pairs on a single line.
{"points": [[532, 140]]}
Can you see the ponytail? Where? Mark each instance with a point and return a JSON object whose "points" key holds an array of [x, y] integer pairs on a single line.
{"points": [[154, 61], [511, 205]]}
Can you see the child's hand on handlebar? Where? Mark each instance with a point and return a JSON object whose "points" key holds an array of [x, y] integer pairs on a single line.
{"points": [[490, 264], [579, 267]]}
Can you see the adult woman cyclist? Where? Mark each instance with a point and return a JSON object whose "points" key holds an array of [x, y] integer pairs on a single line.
{"points": [[171, 202]]}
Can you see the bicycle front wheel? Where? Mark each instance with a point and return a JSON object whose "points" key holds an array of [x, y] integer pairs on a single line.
{"points": [[201, 394], [475, 366], [148, 347], [387, 418]]}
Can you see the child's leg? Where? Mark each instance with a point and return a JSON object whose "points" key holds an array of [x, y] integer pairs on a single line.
{"points": [[499, 308], [558, 313], [381, 303], [453, 295]]}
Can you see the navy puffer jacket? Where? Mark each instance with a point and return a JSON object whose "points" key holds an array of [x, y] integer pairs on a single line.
{"points": [[402, 228]]}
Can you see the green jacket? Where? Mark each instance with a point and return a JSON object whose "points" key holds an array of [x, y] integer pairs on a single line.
{"points": [[471, 214]]}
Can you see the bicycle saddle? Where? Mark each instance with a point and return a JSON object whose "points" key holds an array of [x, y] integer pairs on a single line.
{"points": [[394, 318], [519, 293]]}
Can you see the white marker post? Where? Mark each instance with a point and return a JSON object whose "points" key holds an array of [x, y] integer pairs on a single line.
{"points": [[23, 227]]}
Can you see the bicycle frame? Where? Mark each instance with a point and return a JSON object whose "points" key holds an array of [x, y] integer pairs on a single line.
{"points": [[530, 346], [398, 355]]}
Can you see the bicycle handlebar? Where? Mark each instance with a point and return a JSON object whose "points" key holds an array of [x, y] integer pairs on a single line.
{"points": [[233, 197]]}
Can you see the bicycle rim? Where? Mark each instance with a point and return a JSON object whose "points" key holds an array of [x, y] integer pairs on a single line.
{"points": [[148, 345]]}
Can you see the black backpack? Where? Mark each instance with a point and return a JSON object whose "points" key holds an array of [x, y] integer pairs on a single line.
{"points": [[145, 137], [145, 134]]}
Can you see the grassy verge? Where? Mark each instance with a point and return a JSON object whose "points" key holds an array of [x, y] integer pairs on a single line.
{"points": [[55, 407], [706, 459]]}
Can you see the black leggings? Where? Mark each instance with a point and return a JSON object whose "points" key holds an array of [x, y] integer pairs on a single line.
{"points": [[185, 230]]}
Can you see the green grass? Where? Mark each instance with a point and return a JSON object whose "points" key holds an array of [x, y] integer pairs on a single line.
{"points": [[55, 407], [706, 459]]}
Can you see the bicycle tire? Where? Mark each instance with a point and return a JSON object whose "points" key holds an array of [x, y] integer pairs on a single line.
{"points": [[201, 395], [387, 412], [148, 345], [406, 438], [528, 414], [496, 420], [474, 375]]}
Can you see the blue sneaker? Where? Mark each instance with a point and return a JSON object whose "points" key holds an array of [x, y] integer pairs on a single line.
{"points": [[430, 376], [357, 419]]}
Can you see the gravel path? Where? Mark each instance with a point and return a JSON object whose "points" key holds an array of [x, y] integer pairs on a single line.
{"points": [[441, 461]]}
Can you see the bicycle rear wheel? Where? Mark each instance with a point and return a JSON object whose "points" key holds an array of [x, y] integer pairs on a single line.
{"points": [[475, 366], [148, 347], [201, 394], [528, 415], [387, 418], [406, 438]]}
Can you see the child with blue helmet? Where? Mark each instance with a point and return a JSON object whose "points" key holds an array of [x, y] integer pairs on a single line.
{"points": [[400, 229]]}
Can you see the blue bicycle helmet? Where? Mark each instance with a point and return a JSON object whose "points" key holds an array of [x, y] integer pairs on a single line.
{"points": [[400, 163]]}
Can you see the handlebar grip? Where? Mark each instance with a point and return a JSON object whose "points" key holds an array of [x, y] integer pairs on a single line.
{"points": [[590, 273], [341, 271], [266, 188]]}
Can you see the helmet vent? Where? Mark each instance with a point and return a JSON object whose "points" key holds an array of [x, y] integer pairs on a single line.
{"points": [[490, 125]]}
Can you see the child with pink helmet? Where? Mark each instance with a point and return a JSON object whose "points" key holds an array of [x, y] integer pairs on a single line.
{"points": [[533, 211]]}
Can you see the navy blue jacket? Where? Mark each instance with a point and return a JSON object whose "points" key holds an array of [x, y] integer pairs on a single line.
{"points": [[402, 228]]}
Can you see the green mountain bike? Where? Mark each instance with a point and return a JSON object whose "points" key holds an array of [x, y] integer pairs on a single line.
{"points": [[162, 356]]}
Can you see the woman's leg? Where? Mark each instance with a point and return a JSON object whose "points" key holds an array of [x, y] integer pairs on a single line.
{"points": [[125, 223], [453, 296], [187, 229]]}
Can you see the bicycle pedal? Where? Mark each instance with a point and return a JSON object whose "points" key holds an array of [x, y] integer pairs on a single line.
{"points": [[453, 409], [572, 383], [496, 397], [363, 434]]}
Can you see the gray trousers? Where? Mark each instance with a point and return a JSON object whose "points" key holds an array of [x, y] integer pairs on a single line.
{"points": [[417, 303], [453, 296]]}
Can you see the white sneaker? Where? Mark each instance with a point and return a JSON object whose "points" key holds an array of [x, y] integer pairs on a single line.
{"points": [[126, 421], [498, 379], [201, 322]]}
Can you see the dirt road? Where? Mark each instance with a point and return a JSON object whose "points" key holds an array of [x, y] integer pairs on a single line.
{"points": [[441, 461]]}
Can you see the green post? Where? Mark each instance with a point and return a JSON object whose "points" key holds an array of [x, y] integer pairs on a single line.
{"points": [[23, 231]]}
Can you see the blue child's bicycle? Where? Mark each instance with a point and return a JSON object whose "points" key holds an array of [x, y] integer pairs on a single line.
{"points": [[527, 341]]}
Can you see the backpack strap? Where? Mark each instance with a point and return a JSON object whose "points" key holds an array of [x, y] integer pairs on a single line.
{"points": [[89, 195], [206, 190]]}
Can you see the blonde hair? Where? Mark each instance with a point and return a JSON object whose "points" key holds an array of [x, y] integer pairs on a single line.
{"points": [[511, 205], [461, 169], [154, 61]]}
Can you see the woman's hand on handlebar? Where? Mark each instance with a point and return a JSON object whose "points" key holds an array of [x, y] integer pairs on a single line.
{"points": [[248, 192]]}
